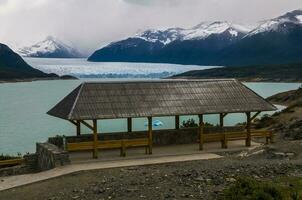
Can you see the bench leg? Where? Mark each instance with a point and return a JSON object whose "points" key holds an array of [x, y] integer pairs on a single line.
{"points": [[146, 150], [224, 144], [123, 150], [267, 140], [272, 139], [248, 142]]}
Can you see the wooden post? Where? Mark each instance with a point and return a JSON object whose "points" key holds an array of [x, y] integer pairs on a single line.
{"points": [[129, 124], [224, 142], [78, 128], [176, 121], [200, 131], [95, 139], [248, 129], [150, 134], [221, 116]]}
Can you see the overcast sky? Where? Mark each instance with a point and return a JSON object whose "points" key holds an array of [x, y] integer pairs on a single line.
{"points": [[90, 24]]}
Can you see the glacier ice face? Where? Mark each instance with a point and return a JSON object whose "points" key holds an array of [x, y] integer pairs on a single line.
{"points": [[83, 68]]}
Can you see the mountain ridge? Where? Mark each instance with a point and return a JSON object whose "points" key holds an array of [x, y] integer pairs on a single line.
{"points": [[50, 47], [213, 43], [14, 68]]}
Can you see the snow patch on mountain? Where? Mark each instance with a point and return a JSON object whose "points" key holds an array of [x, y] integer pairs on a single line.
{"points": [[299, 17], [294, 17], [200, 31], [48, 47]]}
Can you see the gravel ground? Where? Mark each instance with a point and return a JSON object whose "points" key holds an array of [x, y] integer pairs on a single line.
{"points": [[184, 180]]}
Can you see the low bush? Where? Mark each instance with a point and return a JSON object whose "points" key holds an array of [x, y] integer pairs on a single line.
{"points": [[250, 189]]}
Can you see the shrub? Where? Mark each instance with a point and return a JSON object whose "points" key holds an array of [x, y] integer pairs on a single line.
{"points": [[250, 189], [191, 123]]}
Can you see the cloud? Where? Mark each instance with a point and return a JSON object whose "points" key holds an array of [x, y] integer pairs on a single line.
{"points": [[90, 24]]}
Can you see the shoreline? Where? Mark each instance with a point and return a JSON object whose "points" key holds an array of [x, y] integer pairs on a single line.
{"points": [[248, 80], [244, 80], [38, 79]]}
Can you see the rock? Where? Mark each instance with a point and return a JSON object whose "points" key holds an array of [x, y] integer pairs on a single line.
{"points": [[230, 179], [199, 178]]}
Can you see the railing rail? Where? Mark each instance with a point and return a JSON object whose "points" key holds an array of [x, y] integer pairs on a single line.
{"points": [[10, 162]]}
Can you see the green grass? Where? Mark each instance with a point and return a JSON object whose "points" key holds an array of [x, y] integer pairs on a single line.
{"points": [[286, 188]]}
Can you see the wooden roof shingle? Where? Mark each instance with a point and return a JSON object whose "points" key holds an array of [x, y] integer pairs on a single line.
{"points": [[109, 100]]}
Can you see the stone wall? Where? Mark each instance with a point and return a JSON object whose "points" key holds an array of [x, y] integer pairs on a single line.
{"points": [[29, 166], [160, 137], [50, 156]]}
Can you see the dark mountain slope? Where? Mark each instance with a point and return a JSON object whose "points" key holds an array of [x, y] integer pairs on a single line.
{"points": [[12, 66]]}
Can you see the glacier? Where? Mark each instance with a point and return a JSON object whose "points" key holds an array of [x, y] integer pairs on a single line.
{"points": [[83, 69]]}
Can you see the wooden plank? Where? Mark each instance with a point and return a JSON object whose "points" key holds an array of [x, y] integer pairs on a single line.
{"points": [[79, 146], [248, 129], [255, 115], [176, 121], [87, 124], [136, 142], [108, 144], [201, 132], [17, 161], [78, 128], [73, 122], [213, 137], [129, 124], [150, 134], [95, 139]]}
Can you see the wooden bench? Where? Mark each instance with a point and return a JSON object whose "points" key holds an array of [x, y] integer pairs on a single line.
{"points": [[268, 135], [109, 144], [232, 136]]}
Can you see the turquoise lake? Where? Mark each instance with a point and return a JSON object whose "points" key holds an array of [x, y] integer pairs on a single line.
{"points": [[23, 118]]}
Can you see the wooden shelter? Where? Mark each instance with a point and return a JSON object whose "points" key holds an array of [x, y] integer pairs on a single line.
{"points": [[132, 99]]}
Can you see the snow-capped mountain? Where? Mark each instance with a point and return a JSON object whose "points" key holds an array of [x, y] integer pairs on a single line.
{"points": [[279, 23], [50, 48], [213, 43], [198, 32]]}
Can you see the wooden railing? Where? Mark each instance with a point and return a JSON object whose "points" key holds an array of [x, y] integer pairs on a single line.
{"points": [[122, 144], [11, 162], [229, 136]]}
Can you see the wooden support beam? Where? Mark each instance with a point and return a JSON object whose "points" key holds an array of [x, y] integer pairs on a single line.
{"points": [[150, 134], [248, 129], [129, 124], [73, 122], [255, 115], [95, 139], [200, 132], [78, 128], [176, 121], [221, 117], [87, 125]]}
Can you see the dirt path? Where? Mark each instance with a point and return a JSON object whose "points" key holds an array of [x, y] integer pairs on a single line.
{"points": [[202, 179], [14, 181]]}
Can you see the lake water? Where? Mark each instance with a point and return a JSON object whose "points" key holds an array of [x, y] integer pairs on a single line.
{"points": [[23, 107], [23, 118]]}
